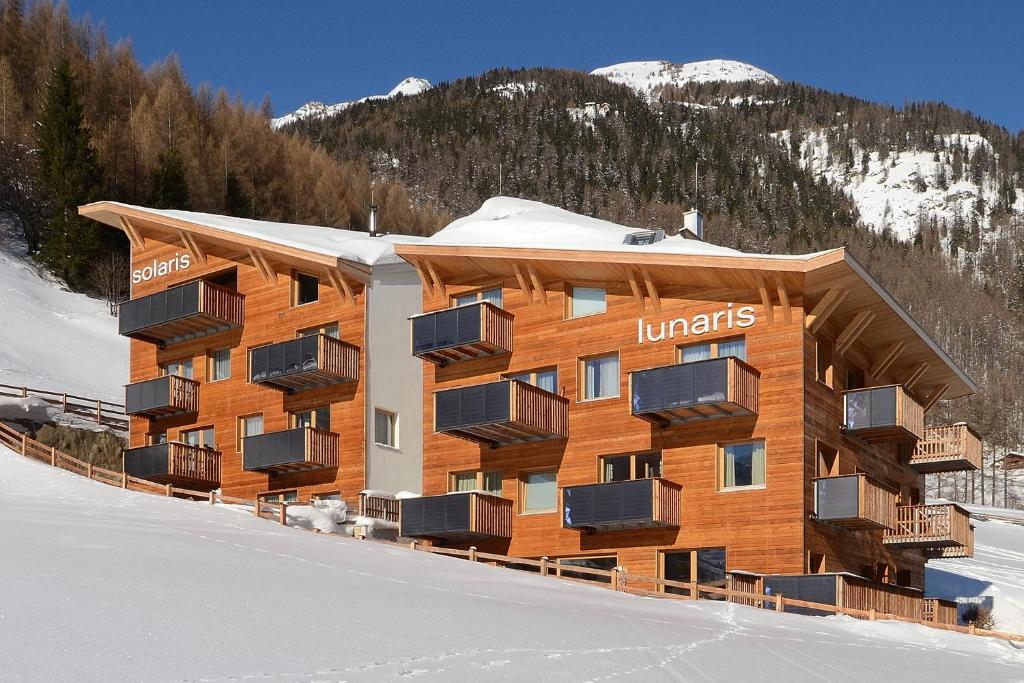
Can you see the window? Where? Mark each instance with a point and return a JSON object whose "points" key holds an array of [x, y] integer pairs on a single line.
{"points": [[202, 437], [828, 460], [306, 289], [584, 301], [706, 566], [823, 364], [854, 378], [476, 481], [607, 562], [181, 368], [326, 495], [546, 379], [815, 563], [903, 577], [156, 439], [250, 425], [626, 467], [331, 330], [736, 346], [491, 296], [318, 418], [600, 377], [280, 497], [539, 492], [741, 465], [218, 365], [385, 428]]}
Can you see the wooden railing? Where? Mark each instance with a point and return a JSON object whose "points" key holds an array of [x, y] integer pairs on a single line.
{"points": [[539, 409], [184, 394], [490, 515], [221, 302], [854, 592], [379, 507], [667, 497], [338, 357], [321, 447], [496, 326], [948, 443], [193, 462], [744, 380], [930, 525], [100, 412], [863, 419], [942, 611]]}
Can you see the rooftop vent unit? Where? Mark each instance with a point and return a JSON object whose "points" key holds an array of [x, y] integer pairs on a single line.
{"points": [[644, 237], [693, 225]]}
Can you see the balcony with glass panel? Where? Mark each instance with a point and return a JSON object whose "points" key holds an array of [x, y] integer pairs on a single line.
{"points": [[879, 414], [180, 313], [460, 516], [500, 413], [472, 330], [175, 463], [291, 450], [166, 396], [694, 391], [315, 360]]}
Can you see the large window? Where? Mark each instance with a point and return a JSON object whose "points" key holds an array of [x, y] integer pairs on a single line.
{"points": [[706, 566], [632, 466], [584, 301], [330, 330], [476, 481], [600, 377], [538, 492], [218, 365], [306, 289], [823, 362], [741, 465], [385, 428], [546, 378], [204, 437], [735, 346], [318, 418], [181, 368], [491, 296]]}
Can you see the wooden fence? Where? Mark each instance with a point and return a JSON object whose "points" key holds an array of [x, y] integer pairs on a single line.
{"points": [[100, 412], [617, 579]]}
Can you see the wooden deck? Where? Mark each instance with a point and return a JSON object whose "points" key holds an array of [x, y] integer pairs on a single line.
{"points": [[949, 448]]}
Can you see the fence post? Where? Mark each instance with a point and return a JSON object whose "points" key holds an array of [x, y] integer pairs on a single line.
{"points": [[53, 456], [694, 591], [168, 490], [282, 514], [99, 412], [256, 507], [124, 479], [615, 579], [972, 629], [472, 553], [412, 545], [24, 444], [24, 392], [88, 470], [544, 566], [871, 614], [780, 605], [212, 497], [64, 403]]}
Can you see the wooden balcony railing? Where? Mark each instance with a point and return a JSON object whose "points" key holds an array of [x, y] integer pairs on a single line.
{"points": [[194, 309], [636, 504], [174, 463], [882, 414], [950, 552], [456, 516], [292, 450], [500, 413], [461, 333], [854, 501], [162, 397], [701, 390], [949, 448], [378, 507], [940, 611], [304, 363], [931, 527]]}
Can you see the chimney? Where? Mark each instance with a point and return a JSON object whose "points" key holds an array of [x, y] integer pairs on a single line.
{"points": [[373, 220], [693, 225]]}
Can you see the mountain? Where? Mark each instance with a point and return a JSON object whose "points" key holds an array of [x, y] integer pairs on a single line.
{"points": [[649, 78], [319, 110]]}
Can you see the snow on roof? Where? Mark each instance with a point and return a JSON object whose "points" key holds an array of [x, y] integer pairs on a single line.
{"points": [[521, 223], [350, 245]]}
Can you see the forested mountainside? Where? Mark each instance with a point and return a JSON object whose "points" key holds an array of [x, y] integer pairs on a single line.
{"points": [[773, 166], [81, 119]]}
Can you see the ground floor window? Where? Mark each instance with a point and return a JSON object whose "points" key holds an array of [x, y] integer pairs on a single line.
{"points": [[606, 562], [538, 492], [706, 566]]}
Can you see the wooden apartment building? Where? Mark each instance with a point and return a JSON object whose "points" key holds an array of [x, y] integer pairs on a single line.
{"points": [[611, 396], [267, 359]]}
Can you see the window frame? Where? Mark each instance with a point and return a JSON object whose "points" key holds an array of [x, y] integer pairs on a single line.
{"points": [[296, 288], [393, 422], [533, 375], [632, 455], [279, 494], [713, 344], [581, 377], [663, 552], [479, 294], [570, 287], [562, 569], [479, 474], [293, 415], [314, 330], [211, 364], [720, 447], [202, 436], [180, 361], [240, 431], [523, 498]]}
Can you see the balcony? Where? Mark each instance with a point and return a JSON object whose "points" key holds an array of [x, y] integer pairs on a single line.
{"points": [[501, 413], [304, 363], [935, 528], [460, 333], [162, 397], [950, 448], [637, 504], [188, 311], [457, 517], [854, 501], [292, 450], [175, 463], [882, 414], [702, 390], [950, 552]]}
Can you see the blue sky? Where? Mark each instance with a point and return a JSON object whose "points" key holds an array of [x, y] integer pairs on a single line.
{"points": [[299, 50]]}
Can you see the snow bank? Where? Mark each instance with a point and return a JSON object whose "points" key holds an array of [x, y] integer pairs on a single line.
{"points": [[33, 409], [103, 584]]}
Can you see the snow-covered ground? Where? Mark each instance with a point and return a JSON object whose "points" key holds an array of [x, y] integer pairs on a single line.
{"points": [[319, 110], [54, 339], [105, 584], [648, 78], [994, 577]]}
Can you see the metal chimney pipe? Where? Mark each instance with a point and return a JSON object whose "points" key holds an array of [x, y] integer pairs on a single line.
{"points": [[373, 220]]}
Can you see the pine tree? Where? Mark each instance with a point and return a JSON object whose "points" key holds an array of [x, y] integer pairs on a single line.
{"points": [[69, 176], [169, 186]]}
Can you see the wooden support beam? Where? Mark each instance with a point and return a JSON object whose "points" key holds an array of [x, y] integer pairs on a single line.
{"points": [[787, 309], [853, 330], [339, 283], [766, 302], [134, 236], [826, 307], [193, 247], [934, 398], [424, 277], [524, 286], [263, 266], [438, 283], [915, 375], [652, 290], [537, 285], [352, 272], [887, 358], [638, 296]]}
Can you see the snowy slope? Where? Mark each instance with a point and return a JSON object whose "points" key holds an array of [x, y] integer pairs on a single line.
{"points": [[51, 338], [319, 110], [994, 576], [648, 78], [105, 584]]}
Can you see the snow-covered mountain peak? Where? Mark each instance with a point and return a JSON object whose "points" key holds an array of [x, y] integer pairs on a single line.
{"points": [[649, 78], [410, 86], [318, 110]]}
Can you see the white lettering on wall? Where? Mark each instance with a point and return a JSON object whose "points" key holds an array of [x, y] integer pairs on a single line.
{"points": [[161, 268], [702, 323]]}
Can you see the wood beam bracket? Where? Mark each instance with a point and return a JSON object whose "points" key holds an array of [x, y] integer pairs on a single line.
{"points": [[855, 328], [428, 286], [339, 283], [916, 374], [524, 285], [266, 271], [638, 295], [935, 396], [136, 239], [537, 285], [825, 308], [766, 302], [787, 309], [652, 290], [439, 287], [190, 244], [888, 357]]}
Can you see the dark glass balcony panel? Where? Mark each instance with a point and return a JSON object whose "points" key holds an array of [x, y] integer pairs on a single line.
{"points": [[501, 413], [637, 504], [460, 333], [883, 414], [701, 390], [304, 363], [162, 397], [456, 516], [291, 450], [175, 463], [188, 311]]}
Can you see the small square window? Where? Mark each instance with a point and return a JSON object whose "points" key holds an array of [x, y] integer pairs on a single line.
{"points": [[219, 364], [204, 437], [587, 301], [385, 428], [540, 492], [307, 288], [476, 481], [691, 353], [600, 377], [742, 465]]}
